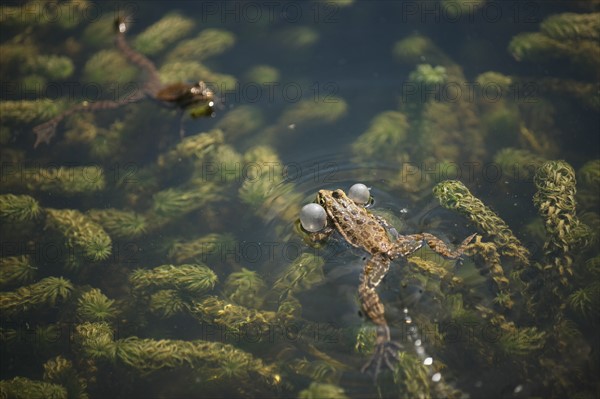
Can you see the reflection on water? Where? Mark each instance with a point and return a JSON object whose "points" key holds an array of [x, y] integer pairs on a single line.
{"points": [[139, 264]]}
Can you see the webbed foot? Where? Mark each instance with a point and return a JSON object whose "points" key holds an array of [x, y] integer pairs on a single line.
{"points": [[384, 353]]}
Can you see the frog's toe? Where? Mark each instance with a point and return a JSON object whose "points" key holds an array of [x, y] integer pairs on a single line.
{"points": [[384, 353]]}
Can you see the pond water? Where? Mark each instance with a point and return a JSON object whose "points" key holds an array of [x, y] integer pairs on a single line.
{"points": [[139, 263]]}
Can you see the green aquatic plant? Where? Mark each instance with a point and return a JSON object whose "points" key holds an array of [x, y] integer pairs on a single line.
{"points": [[572, 26], [226, 165], [318, 390], [27, 111], [262, 74], [519, 164], [428, 75], [16, 269], [583, 54], [95, 340], [52, 67], [245, 287], [495, 79], [147, 355], [182, 71], [486, 255], [175, 202], [46, 292], [81, 128], [60, 371], [167, 303], [298, 37], [240, 121], [317, 370], [208, 43], [195, 279], [109, 67], [61, 180], [412, 376], [289, 310], [18, 208], [521, 341], [94, 306], [384, 137], [192, 147], [24, 388], [234, 318], [163, 33], [436, 267], [416, 49], [586, 300], [202, 248], [588, 190], [303, 273], [99, 33], [81, 233], [119, 223], [555, 200], [454, 195], [311, 111], [65, 14]]}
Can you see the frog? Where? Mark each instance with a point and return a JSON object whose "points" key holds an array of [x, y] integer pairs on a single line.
{"points": [[197, 97], [363, 230]]}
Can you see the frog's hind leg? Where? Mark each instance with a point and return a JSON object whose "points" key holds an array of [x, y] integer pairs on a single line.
{"points": [[385, 349], [439, 246]]}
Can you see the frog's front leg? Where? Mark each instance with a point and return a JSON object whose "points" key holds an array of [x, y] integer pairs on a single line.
{"points": [[438, 245], [321, 235], [385, 349]]}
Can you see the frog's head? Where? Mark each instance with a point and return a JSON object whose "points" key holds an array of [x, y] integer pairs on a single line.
{"points": [[326, 198]]}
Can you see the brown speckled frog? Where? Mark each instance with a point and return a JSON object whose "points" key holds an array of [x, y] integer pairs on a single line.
{"points": [[363, 230], [184, 96]]}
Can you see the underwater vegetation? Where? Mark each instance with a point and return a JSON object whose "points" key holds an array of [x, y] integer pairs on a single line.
{"points": [[127, 266]]}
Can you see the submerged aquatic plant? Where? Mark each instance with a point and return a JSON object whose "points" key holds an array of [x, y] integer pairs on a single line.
{"points": [[454, 195], [208, 43], [62, 180], [555, 200], [241, 121], [95, 306], [18, 208], [16, 269], [167, 303], [24, 388], [80, 232], [320, 390], [46, 292], [164, 32], [147, 355], [196, 278], [60, 371], [303, 273], [522, 163], [235, 318], [245, 287], [201, 249], [192, 147], [384, 137], [175, 202], [119, 223], [428, 75], [27, 111]]}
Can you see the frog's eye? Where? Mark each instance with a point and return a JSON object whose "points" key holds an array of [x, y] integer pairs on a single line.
{"points": [[321, 201]]}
